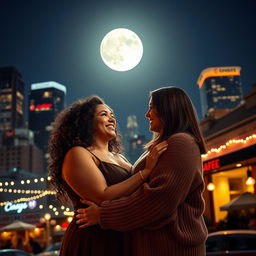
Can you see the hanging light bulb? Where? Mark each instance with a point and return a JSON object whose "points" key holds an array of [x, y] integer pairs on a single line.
{"points": [[250, 180], [210, 186]]}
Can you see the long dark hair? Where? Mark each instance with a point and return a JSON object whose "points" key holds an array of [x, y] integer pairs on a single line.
{"points": [[177, 114], [73, 127]]}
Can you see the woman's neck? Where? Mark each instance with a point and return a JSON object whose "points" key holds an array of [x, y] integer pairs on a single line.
{"points": [[100, 145]]}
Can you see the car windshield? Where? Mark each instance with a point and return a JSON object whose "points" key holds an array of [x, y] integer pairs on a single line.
{"points": [[231, 242], [216, 244], [245, 242]]}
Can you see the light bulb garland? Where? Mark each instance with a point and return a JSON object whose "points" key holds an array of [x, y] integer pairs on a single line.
{"points": [[27, 199], [230, 143]]}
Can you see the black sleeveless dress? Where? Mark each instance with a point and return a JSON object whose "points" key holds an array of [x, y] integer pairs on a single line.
{"points": [[94, 241]]}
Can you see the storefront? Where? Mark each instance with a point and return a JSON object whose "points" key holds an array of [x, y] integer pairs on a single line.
{"points": [[29, 200], [229, 171]]}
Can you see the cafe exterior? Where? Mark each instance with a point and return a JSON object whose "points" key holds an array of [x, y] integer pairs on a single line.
{"points": [[230, 163]]}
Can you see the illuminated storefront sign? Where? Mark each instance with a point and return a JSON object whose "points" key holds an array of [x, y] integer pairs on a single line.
{"points": [[231, 158], [19, 207], [212, 165], [217, 71], [41, 107]]}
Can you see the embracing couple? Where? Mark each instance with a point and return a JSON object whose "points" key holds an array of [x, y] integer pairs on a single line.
{"points": [[152, 208]]}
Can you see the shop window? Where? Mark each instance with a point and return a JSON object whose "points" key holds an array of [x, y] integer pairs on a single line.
{"points": [[236, 187]]}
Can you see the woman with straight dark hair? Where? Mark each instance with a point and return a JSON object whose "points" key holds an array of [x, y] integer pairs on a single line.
{"points": [[165, 215]]}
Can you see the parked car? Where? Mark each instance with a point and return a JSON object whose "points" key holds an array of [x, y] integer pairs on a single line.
{"points": [[52, 250], [13, 252], [231, 242]]}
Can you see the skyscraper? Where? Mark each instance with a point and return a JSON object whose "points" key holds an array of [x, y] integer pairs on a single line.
{"points": [[133, 140], [12, 97], [46, 100], [220, 89], [17, 149]]}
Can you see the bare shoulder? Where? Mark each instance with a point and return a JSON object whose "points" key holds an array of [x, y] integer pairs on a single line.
{"points": [[78, 153]]}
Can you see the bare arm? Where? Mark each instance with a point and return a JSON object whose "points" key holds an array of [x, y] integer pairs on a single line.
{"points": [[157, 200], [84, 177]]}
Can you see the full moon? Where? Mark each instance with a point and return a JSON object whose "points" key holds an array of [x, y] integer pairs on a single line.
{"points": [[121, 49]]}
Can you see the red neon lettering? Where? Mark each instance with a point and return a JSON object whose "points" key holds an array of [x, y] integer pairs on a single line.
{"points": [[43, 106], [212, 165]]}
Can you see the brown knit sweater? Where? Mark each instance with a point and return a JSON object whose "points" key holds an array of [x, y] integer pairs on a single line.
{"points": [[164, 216]]}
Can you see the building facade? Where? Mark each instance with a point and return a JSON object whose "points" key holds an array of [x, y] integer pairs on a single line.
{"points": [[12, 99], [220, 89], [18, 151], [46, 100], [230, 163]]}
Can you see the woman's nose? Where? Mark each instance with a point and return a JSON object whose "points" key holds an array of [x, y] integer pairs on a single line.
{"points": [[111, 119]]}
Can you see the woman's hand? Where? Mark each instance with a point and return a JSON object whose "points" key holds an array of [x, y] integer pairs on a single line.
{"points": [[153, 156], [90, 216]]}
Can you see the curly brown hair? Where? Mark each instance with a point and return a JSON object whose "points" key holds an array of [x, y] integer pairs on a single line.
{"points": [[73, 127]]}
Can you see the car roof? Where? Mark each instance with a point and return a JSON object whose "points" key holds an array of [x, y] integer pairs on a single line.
{"points": [[233, 232], [10, 250]]}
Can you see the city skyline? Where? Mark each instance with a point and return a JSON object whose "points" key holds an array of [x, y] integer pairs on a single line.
{"points": [[59, 41]]}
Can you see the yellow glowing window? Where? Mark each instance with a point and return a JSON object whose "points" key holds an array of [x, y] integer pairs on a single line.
{"points": [[47, 94]]}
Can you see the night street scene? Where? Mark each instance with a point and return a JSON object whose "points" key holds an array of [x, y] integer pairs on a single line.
{"points": [[57, 55]]}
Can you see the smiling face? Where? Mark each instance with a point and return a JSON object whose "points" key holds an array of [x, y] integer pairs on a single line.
{"points": [[104, 122], [155, 124]]}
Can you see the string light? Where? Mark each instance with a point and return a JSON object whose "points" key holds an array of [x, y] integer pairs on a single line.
{"points": [[229, 144], [27, 199], [23, 182], [68, 213], [23, 191]]}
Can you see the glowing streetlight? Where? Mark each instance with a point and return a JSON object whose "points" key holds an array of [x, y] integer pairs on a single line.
{"points": [[47, 218]]}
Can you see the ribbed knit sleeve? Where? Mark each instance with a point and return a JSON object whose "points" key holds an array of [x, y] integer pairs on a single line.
{"points": [[177, 173]]}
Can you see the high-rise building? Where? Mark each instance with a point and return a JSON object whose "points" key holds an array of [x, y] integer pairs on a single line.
{"points": [[17, 149], [220, 89], [133, 140], [12, 98], [46, 100]]}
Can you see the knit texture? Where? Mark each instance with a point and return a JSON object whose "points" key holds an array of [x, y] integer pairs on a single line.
{"points": [[164, 216]]}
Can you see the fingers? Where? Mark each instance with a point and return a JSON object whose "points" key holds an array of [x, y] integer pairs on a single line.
{"points": [[82, 217], [86, 202], [158, 150], [81, 210], [162, 150], [85, 225]]}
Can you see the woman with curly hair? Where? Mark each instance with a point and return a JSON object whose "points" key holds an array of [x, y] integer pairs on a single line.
{"points": [[85, 162]]}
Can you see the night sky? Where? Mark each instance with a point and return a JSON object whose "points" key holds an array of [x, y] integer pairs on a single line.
{"points": [[59, 40]]}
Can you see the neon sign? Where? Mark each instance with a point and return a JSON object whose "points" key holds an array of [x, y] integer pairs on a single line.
{"points": [[212, 165], [40, 107], [19, 207]]}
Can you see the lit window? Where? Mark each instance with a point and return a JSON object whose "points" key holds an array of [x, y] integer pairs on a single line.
{"points": [[47, 94]]}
